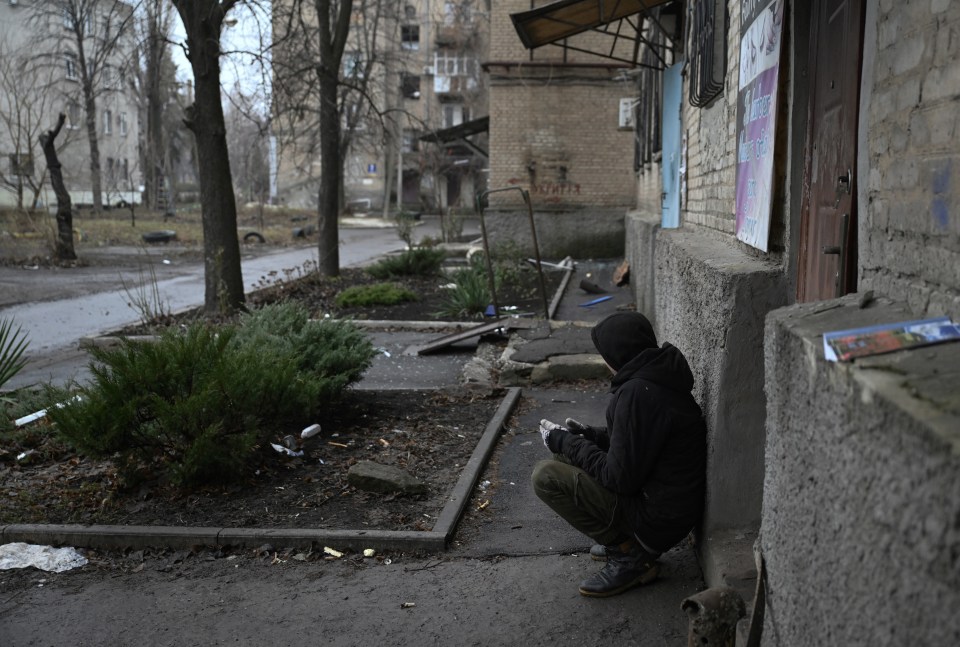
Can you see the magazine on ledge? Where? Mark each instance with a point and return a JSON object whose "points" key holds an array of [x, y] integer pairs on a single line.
{"points": [[845, 345]]}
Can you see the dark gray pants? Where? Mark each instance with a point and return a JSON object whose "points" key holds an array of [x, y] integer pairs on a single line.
{"points": [[580, 500]]}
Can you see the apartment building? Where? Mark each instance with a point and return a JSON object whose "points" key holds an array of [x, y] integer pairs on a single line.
{"points": [[419, 124], [41, 77]]}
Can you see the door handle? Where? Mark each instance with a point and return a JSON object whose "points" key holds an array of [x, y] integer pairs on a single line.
{"points": [[843, 186], [841, 251]]}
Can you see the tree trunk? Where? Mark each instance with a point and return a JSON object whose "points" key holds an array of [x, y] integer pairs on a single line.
{"points": [[221, 245], [63, 250], [334, 23]]}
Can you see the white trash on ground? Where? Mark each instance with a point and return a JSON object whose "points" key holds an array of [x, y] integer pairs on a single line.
{"points": [[46, 558]]}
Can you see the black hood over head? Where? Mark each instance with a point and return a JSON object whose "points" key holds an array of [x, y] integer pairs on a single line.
{"points": [[622, 336]]}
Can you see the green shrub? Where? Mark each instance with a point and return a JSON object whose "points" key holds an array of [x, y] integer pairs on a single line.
{"points": [[12, 345], [197, 405], [378, 294], [470, 295], [417, 261]]}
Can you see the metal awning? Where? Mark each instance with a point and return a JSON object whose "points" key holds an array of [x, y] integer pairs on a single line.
{"points": [[460, 133], [555, 22]]}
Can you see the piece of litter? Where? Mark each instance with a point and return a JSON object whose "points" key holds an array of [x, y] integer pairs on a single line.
{"points": [[332, 552], [46, 558], [337, 444], [484, 485], [283, 450], [595, 302], [529, 442], [166, 261], [26, 454], [37, 415], [369, 552], [384, 442], [384, 352], [483, 506], [310, 431], [408, 605], [388, 561]]}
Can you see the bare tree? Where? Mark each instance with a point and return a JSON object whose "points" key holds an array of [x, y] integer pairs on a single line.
{"points": [[325, 60], [99, 35], [203, 22], [26, 97], [156, 89], [247, 132], [63, 249]]}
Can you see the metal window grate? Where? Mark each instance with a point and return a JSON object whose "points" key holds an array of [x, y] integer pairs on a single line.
{"points": [[707, 21]]}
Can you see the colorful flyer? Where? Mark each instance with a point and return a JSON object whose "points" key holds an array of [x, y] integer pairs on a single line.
{"points": [[761, 29]]}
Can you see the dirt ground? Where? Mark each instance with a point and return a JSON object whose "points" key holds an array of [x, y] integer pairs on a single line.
{"points": [[431, 436]]}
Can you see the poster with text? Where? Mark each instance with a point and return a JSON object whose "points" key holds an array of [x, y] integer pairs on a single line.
{"points": [[761, 28]]}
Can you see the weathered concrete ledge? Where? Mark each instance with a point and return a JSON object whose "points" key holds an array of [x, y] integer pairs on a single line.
{"points": [[861, 508], [119, 537]]}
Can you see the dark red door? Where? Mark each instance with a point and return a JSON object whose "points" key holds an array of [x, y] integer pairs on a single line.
{"points": [[828, 242]]}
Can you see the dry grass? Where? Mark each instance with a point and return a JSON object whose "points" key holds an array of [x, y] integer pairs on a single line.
{"points": [[28, 236]]}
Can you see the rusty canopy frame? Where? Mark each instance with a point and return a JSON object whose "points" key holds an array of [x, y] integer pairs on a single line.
{"points": [[554, 23]]}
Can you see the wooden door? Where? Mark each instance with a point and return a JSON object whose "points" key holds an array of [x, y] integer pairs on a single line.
{"points": [[828, 242]]}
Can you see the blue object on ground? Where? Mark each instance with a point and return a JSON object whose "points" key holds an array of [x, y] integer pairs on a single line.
{"points": [[490, 311], [595, 302]]}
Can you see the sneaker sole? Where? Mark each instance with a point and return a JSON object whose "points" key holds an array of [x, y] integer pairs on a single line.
{"points": [[645, 578]]}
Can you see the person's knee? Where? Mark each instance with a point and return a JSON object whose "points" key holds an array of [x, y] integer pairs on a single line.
{"points": [[546, 475]]}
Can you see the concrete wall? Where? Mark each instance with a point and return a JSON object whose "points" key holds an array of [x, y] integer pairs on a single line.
{"points": [[910, 183], [861, 508], [710, 299], [586, 233]]}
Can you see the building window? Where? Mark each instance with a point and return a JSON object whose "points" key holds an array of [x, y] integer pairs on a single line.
{"points": [[353, 65], [123, 123], [107, 122], [453, 114], [110, 168], [73, 115], [410, 36], [70, 61], [410, 86], [707, 21], [452, 65], [410, 141]]}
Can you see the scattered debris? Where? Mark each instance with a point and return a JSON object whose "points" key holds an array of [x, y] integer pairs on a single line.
{"points": [[621, 275], [369, 552], [46, 558], [484, 504], [408, 605], [332, 552], [286, 450], [591, 288], [310, 431]]}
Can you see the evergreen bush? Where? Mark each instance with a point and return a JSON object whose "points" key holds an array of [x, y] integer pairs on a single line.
{"points": [[416, 261], [378, 294], [197, 405]]}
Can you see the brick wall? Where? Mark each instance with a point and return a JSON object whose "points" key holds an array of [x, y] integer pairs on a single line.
{"points": [[554, 126], [909, 222]]}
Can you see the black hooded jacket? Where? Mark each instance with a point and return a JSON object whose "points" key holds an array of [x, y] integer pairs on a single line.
{"points": [[653, 452]]}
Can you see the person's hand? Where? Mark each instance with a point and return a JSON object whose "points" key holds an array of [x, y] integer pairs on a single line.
{"points": [[577, 427], [546, 428], [553, 436]]}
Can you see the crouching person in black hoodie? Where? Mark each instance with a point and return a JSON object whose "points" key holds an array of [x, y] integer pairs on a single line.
{"points": [[636, 486]]}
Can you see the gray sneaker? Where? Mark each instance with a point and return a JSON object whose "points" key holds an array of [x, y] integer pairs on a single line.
{"points": [[622, 572]]}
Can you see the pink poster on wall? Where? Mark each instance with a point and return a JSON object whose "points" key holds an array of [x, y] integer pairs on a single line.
{"points": [[761, 27]]}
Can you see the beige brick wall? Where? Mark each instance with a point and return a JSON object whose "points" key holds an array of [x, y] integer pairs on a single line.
{"points": [[554, 128], [909, 224]]}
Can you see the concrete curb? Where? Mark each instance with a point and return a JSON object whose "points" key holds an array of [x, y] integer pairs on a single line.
{"points": [[138, 537]]}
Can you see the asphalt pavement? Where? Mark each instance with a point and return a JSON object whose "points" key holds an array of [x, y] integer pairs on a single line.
{"points": [[509, 576]]}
